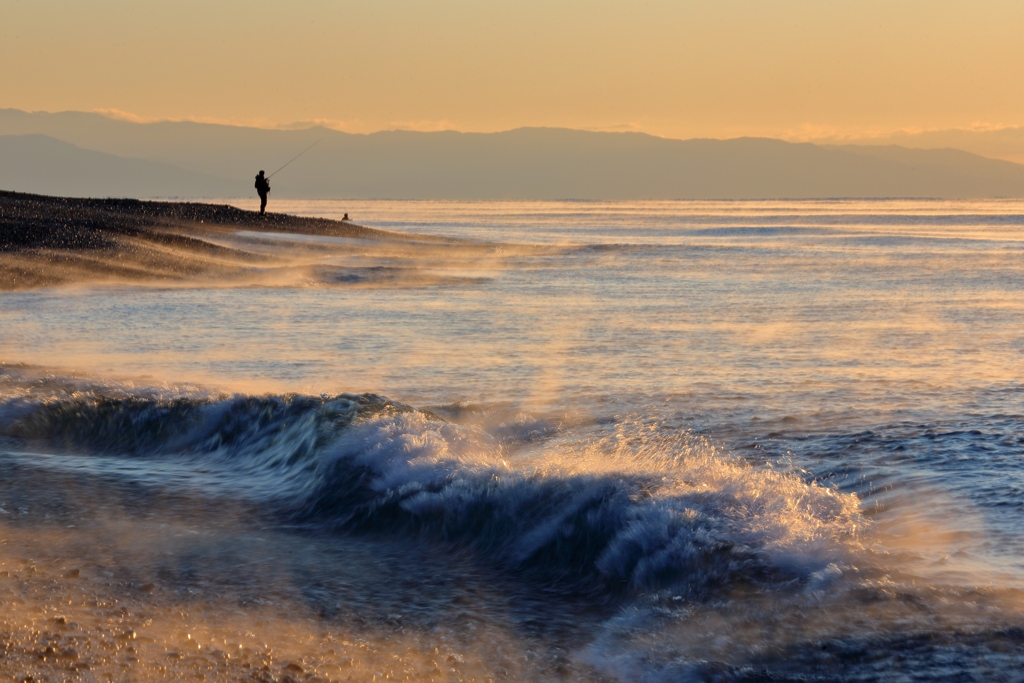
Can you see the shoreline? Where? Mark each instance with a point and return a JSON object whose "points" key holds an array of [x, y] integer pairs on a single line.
{"points": [[51, 241]]}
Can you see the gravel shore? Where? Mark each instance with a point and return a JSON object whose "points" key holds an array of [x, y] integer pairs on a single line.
{"points": [[58, 240]]}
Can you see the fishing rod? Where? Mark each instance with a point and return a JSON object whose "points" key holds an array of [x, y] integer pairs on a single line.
{"points": [[294, 158]]}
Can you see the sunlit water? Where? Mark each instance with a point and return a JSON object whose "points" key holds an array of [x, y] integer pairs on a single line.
{"points": [[664, 440]]}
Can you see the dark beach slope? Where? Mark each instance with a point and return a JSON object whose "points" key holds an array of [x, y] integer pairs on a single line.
{"points": [[57, 240]]}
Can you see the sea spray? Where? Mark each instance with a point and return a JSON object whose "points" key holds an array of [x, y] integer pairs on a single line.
{"points": [[604, 517], [650, 510]]}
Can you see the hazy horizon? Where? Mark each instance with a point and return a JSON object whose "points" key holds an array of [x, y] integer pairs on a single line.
{"points": [[82, 154], [1005, 142]]}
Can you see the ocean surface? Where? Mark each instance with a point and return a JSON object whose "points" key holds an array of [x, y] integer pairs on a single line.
{"points": [[626, 441]]}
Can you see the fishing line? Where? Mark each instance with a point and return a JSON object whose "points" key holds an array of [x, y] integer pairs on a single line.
{"points": [[294, 158]]}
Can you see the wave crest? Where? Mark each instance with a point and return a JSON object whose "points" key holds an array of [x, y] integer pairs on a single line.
{"points": [[641, 508], [635, 511]]}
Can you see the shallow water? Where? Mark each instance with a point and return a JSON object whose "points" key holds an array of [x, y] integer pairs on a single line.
{"points": [[621, 441]]}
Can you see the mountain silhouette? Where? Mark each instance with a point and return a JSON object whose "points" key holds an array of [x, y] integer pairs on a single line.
{"points": [[82, 154]]}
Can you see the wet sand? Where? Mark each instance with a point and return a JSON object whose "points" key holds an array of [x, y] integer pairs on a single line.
{"points": [[47, 241], [105, 581]]}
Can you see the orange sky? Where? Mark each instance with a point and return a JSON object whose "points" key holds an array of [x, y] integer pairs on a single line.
{"points": [[789, 68]]}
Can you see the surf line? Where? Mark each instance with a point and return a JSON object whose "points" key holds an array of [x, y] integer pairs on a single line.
{"points": [[294, 158]]}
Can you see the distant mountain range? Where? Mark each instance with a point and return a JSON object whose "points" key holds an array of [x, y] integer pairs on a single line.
{"points": [[1002, 142], [83, 154]]}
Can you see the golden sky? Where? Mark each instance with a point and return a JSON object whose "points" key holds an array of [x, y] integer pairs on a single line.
{"points": [[788, 68]]}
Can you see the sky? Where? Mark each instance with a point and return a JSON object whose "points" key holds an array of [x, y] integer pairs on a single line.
{"points": [[794, 69]]}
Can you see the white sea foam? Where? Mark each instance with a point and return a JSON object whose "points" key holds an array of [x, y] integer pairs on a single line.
{"points": [[642, 508]]}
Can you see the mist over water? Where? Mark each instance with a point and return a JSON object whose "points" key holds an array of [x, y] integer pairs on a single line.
{"points": [[584, 441]]}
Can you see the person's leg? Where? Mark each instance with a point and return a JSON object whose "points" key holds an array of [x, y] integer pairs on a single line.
{"points": [[263, 203]]}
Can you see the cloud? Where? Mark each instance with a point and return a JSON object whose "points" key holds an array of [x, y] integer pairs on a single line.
{"points": [[421, 125], [121, 115], [263, 123], [333, 124], [631, 127], [810, 132]]}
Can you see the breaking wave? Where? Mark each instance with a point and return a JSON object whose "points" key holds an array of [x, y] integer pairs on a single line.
{"points": [[633, 508]]}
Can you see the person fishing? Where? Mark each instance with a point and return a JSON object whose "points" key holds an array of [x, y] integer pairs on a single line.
{"points": [[263, 182], [262, 188]]}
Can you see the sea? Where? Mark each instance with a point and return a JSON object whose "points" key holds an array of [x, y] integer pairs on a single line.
{"points": [[567, 441]]}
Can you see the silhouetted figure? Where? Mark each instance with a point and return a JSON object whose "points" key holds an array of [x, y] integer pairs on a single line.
{"points": [[262, 188], [345, 217]]}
